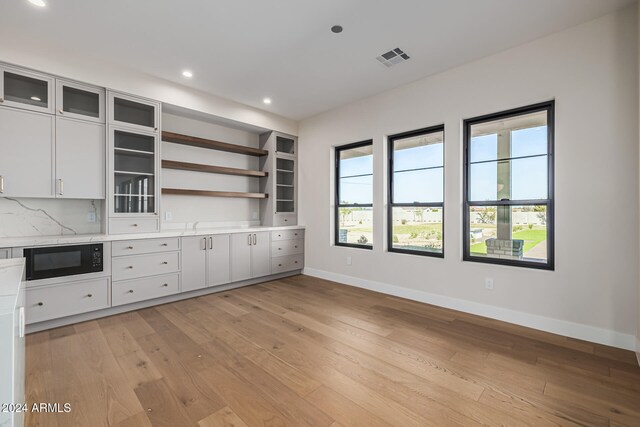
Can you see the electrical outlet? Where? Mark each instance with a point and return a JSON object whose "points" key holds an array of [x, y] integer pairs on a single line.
{"points": [[488, 283], [168, 216], [348, 260], [91, 217]]}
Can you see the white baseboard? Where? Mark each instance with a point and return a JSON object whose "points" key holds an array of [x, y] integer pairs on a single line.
{"points": [[547, 324]]}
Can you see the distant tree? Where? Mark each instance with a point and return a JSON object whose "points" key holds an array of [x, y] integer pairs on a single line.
{"points": [[344, 212], [363, 240], [487, 215]]}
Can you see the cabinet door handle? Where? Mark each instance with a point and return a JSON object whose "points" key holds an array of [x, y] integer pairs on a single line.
{"points": [[165, 285], [165, 244], [89, 295], [204, 247], [255, 239], [129, 247], [279, 265], [249, 239], [40, 304], [211, 243], [164, 262], [61, 187], [130, 291], [22, 322], [1, 183], [130, 267], [134, 225]]}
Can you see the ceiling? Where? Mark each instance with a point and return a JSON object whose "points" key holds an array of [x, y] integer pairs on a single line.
{"points": [[245, 50]]}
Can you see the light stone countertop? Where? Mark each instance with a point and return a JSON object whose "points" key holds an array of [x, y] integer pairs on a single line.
{"points": [[10, 282], [12, 242]]}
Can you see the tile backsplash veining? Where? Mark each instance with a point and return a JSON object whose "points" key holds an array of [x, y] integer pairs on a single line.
{"points": [[48, 217]]}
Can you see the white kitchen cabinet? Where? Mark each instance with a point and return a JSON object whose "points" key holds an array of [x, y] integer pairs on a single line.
{"points": [[79, 101], [280, 208], [218, 260], [205, 261], [250, 255], [133, 112], [26, 90], [194, 263], [26, 153], [80, 153], [5, 253]]}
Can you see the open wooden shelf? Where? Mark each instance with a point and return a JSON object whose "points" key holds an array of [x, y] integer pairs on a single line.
{"points": [[184, 192], [172, 164], [212, 144]]}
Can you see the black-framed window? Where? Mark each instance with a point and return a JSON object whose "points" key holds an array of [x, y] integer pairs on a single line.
{"points": [[354, 195], [508, 187], [416, 192]]}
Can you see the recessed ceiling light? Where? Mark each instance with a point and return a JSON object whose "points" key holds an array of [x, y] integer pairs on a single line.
{"points": [[187, 74], [336, 29], [39, 3], [35, 98], [267, 101]]}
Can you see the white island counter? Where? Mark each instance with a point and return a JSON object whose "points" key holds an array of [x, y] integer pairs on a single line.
{"points": [[11, 342]]}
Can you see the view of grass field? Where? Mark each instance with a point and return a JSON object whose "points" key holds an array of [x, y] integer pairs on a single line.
{"points": [[531, 239]]}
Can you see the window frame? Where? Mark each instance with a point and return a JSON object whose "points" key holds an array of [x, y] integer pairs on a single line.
{"points": [[549, 107], [390, 204], [337, 150]]}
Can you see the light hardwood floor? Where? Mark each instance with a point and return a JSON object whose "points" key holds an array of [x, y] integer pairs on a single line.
{"points": [[305, 351]]}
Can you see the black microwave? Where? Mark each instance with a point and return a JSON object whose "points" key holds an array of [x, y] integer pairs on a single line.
{"points": [[58, 261]]}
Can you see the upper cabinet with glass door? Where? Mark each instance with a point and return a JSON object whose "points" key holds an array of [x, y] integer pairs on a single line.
{"points": [[133, 112], [26, 90], [78, 101]]}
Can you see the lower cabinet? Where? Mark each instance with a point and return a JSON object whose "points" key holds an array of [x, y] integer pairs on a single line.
{"points": [[205, 261], [129, 291], [55, 301], [250, 255]]}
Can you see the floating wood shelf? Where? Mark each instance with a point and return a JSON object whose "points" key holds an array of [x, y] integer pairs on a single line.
{"points": [[184, 192], [211, 144], [171, 164]]}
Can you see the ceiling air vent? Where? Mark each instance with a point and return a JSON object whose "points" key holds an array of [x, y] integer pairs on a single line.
{"points": [[393, 57]]}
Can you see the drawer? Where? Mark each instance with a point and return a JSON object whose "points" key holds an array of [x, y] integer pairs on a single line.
{"points": [[287, 247], [52, 302], [144, 289], [281, 264], [132, 267], [145, 246], [285, 219], [133, 225], [287, 235]]}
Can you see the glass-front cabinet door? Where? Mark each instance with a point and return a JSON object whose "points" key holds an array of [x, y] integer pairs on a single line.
{"points": [[285, 185], [134, 167], [26, 90], [133, 112], [80, 101]]}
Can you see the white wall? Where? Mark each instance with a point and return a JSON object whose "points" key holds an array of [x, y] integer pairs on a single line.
{"points": [[208, 211], [592, 72]]}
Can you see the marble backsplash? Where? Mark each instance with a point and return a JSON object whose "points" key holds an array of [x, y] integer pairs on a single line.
{"points": [[48, 217]]}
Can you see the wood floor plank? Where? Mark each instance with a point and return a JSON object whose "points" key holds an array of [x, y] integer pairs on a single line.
{"points": [[306, 351], [224, 417]]}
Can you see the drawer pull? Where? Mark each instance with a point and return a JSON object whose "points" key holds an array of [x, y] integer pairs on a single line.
{"points": [[165, 262], [130, 267], [296, 262], [89, 295], [295, 234], [296, 246], [165, 244], [165, 285], [279, 249], [130, 291], [279, 265], [40, 304], [279, 235], [134, 225], [129, 247], [285, 220]]}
